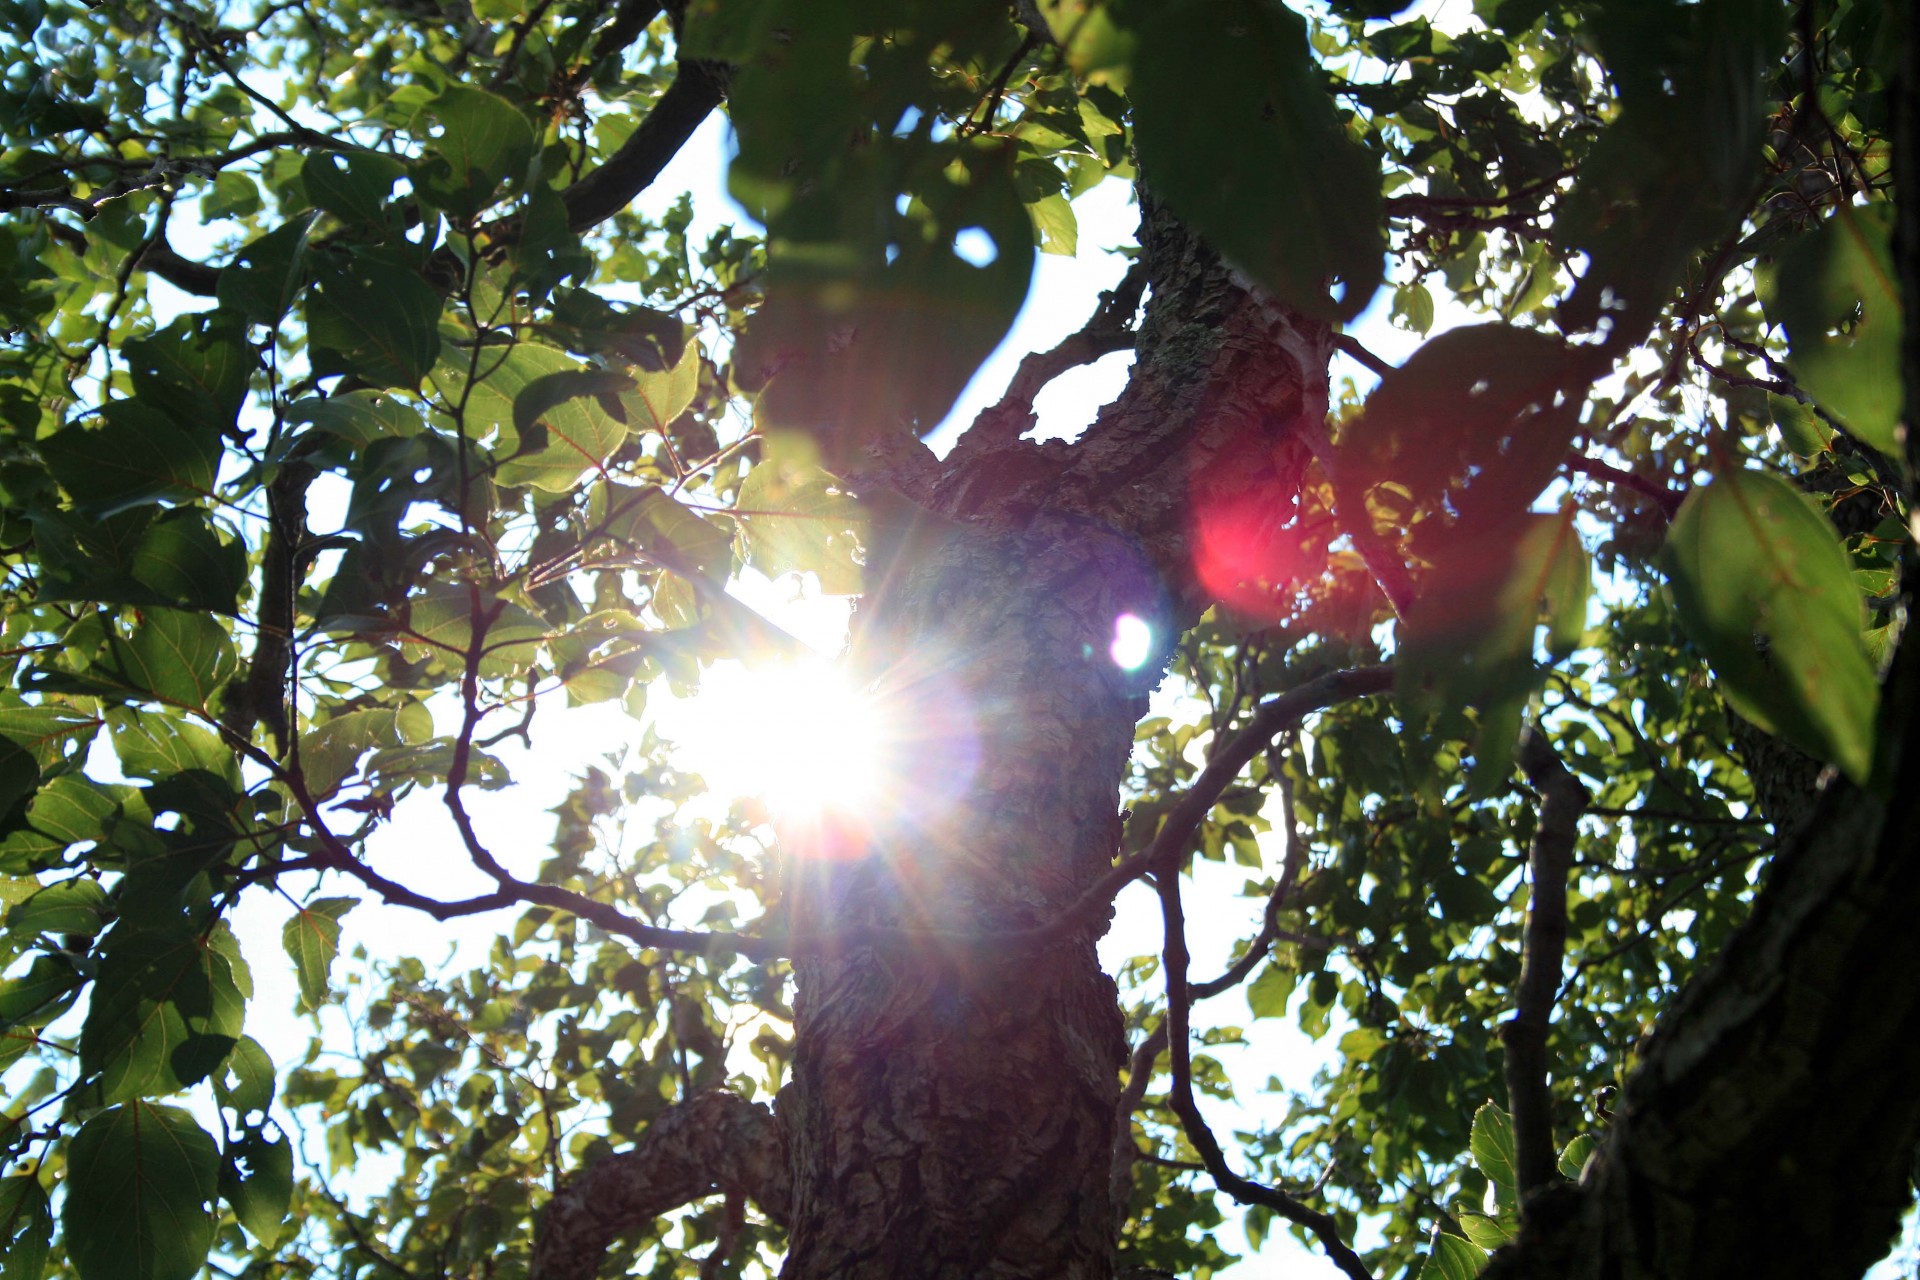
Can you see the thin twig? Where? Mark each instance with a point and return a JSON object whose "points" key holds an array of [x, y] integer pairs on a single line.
{"points": [[1321, 1226], [1666, 499]]}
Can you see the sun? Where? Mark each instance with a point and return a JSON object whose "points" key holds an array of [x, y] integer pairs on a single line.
{"points": [[795, 735]]}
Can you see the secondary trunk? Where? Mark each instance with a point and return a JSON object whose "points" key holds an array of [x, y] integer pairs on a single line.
{"points": [[952, 1115]]}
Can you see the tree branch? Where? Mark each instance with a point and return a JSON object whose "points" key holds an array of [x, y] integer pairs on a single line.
{"points": [[1272, 719], [1348, 345], [1180, 1097], [1109, 329], [697, 88], [714, 1142], [1778, 1088], [1549, 859], [1666, 499]]}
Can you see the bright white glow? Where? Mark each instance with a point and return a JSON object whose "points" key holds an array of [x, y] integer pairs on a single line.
{"points": [[1132, 641], [794, 735]]}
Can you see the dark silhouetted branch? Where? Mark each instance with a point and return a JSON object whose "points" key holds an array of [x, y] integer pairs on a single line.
{"points": [[1180, 1097], [1109, 329], [709, 1144], [1666, 499], [1347, 344], [697, 89], [1549, 859]]}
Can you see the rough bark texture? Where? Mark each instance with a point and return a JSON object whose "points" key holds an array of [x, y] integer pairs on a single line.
{"points": [[955, 1118], [710, 1143], [1771, 1128]]}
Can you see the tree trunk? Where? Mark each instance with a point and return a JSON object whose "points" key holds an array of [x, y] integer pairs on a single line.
{"points": [[954, 1116], [1770, 1130]]}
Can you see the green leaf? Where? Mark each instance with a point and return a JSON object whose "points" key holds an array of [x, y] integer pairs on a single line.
{"points": [[357, 417], [256, 1178], [174, 656], [1473, 409], [18, 776], [50, 733], [658, 397], [502, 373], [1833, 290], [183, 562], [798, 519], [1269, 992], [1800, 427], [26, 1228], [566, 410], [137, 454], [312, 940], [476, 141], [428, 762], [330, 754], [1675, 167], [352, 186], [1413, 307], [666, 531], [195, 370], [1054, 223], [1485, 1232], [166, 1010], [70, 810], [68, 906], [261, 281], [373, 317], [1573, 1160], [1453, 1259], [1492, 1145], [875, 319], [1764, 587], [140, 1184], [244, 1081], [36, 996], [1469, 638], [1284, 193], [160, 747], [440, 626]]}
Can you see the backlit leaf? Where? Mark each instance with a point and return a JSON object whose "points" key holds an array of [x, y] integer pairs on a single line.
{"points": [[1453, 1259], [796, 519], [174, 656], [312, 940], [1284, 193], [565, 410], [244, 1081], [1492, 1146], [1764, 587], [256, 1178], [26, 1228], [166, 1010], [1833, 292], [140, 1184]]}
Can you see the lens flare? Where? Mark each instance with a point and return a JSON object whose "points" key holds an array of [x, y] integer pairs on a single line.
{"points": [[843, 770], [1132, 642], [795, 736]]}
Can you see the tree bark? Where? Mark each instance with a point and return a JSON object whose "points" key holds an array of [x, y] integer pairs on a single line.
{"points": [[954, 1117], [1770, 1130]]}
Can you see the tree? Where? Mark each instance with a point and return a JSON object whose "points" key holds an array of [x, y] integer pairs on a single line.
{"points": [[1603, 881]]}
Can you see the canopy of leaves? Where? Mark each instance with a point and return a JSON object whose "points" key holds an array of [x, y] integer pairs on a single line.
{"points": [[349, 416]]}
